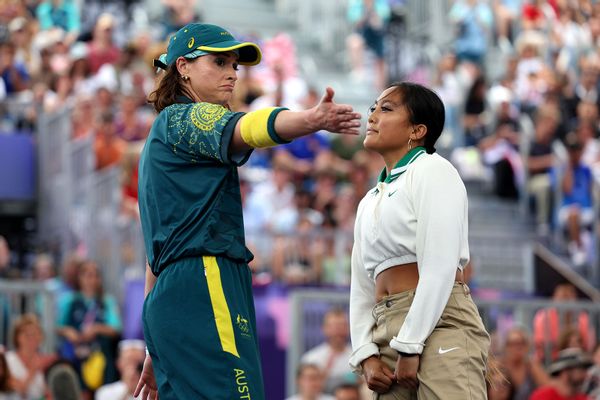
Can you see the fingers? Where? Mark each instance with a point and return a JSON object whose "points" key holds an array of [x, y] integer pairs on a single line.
{"points": [[389, 373], [344, 109], [381, 378], [406, 372], [346, 127], [138, 388], [328, 96], [347, 123], [408, 382], [348, 131], [149, 394], [347, 112], [379, 382], [351, 132], [352, 116]]}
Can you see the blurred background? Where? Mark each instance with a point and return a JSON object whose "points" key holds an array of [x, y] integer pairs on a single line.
{"points": [[519, 79]]}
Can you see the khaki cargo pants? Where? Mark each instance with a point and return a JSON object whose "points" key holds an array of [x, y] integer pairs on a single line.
{"points": [[453, 362]]}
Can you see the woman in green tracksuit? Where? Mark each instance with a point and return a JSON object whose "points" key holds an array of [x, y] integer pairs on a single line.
{"points": [[199, 320]]}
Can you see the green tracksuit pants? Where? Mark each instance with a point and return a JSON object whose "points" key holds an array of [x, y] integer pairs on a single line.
{"points": [[200, 329]]}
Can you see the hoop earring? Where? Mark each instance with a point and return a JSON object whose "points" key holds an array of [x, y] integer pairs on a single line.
{"points": [[409, 144]]}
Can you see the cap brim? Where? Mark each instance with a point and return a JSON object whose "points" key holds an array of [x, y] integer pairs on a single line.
{"points": [[560, 366], [196, 54], [249, 52], [161, 62]]}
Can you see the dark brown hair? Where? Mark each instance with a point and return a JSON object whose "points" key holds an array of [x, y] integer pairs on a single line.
{"points": [[168, 87], [91, 264]]}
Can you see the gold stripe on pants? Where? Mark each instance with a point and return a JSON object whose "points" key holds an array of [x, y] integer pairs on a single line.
{"points": [[219, 305]]}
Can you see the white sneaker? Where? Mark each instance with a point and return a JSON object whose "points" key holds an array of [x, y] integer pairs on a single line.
{"points": [[579, 257], [572, 248]]}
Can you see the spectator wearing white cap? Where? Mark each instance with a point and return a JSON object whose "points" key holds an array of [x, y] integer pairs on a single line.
{"points": [[129, 363]]}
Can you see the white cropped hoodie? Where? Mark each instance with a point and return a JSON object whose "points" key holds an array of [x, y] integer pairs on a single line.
{"points": [[419, 213]]}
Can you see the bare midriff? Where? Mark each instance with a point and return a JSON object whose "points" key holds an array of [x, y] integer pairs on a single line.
{"points": [[400, 278], [396, 279]]}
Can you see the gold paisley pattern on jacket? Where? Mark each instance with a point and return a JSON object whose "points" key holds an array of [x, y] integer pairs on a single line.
{"points": [[196, 129], [205, 115]]}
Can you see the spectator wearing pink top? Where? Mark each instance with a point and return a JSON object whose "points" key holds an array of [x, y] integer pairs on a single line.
{"points": [[101, 49]]}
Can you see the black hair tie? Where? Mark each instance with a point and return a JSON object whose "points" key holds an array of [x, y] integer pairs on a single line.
{"points": [[159, 64]]}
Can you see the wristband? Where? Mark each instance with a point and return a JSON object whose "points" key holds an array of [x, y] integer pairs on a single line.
{"points": [[407, 355]]}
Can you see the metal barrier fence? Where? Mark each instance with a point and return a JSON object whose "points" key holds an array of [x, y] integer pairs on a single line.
{"points": [[20, 297], [501, 253], [104, 246], [308, 306], [55, 170], [79, 207], [302, 257]]}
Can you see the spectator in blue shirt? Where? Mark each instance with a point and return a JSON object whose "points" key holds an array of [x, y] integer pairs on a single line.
{"points": [[576, 210], [61, 14], [89, 321], [14, 74], [473, 20]]}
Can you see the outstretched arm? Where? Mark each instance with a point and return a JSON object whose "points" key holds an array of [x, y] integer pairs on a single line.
{"points": [[289, 125]]}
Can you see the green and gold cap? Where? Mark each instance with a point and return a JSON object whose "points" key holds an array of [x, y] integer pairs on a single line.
{"points": [[195, 40]]}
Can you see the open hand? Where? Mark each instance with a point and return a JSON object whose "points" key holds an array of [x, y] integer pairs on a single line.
{"points": [[337, 118]]}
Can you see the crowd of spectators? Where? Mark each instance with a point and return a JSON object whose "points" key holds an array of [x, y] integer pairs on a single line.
{"points": [[95, 67], [556, 359], [534, 125], [531, 131]]}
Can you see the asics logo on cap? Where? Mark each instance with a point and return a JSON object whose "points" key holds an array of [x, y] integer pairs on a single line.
{"points": [[191, 43]]}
